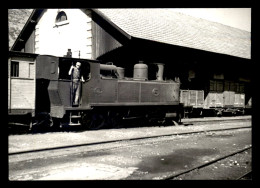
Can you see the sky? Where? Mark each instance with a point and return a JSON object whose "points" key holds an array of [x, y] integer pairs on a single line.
{"points": [[235, 17]]}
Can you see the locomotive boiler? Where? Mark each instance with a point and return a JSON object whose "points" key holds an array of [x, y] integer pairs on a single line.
{"points": [[107, 97]]}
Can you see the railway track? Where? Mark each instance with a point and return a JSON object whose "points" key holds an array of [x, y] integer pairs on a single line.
{"points": [[246, 176], [97, 147], [122, 140], [201, 166]]}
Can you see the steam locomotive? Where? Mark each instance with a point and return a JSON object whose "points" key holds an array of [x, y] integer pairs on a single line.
{"points": [[106, 98]]}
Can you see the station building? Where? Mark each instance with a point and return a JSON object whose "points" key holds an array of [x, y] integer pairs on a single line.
{"points": [[203, 55]]}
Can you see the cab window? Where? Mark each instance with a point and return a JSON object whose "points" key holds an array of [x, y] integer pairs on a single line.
{"points": [[64, 67]]}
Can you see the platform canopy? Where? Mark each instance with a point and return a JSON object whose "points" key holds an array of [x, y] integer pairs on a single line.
{"points": [[170, 27]]}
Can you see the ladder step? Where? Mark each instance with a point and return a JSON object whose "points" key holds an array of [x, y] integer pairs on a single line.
{"points": [[75, 116], [74, 124]]}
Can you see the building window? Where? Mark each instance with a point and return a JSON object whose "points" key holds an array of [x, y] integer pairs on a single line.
{"points": [[61, 17], [14, 69]]}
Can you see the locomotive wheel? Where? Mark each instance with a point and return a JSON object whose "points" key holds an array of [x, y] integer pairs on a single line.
{"points": [[114, 119], [177, 120], [98, 121], [168, 122], [56, 124], [86, 120], [94, 121], [41, 122]]}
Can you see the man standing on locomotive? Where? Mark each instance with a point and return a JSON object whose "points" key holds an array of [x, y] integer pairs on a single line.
{"points": [[76, 75]]}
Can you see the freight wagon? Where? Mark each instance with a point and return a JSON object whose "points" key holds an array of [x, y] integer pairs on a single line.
{"points": [[21, 88], [217, 101]]}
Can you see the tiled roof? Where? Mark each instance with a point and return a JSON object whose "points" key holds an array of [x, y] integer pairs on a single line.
{"points": [[167, 26]]}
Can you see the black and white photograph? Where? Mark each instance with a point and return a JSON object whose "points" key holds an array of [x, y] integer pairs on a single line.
{"points": [[130, 94]]}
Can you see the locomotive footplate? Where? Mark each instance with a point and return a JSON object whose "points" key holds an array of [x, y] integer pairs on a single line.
{"points": [[77, 108]]}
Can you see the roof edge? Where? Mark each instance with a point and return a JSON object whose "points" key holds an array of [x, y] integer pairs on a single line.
{"points": [[125, 34], [21, 54], [31, 20]]}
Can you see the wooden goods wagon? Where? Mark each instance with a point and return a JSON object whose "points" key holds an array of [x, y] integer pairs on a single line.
{"points": [[21, 87]]}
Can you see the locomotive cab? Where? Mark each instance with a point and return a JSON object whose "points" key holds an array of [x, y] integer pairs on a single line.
{"points": [[53, 83], [66, 63]]}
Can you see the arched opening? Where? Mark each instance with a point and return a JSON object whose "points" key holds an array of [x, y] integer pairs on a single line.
{"points": [[61, 17]]}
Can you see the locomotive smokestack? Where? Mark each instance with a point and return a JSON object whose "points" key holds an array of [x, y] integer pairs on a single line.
{"points": [[159, 73], [120, 72]]}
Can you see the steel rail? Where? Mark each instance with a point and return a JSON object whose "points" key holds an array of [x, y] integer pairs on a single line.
{"points": [[122, 140], [244, 175], [170, 177]]}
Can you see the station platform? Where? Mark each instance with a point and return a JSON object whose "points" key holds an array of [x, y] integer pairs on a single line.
{"points": [[211, 119], [40, 141]]}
